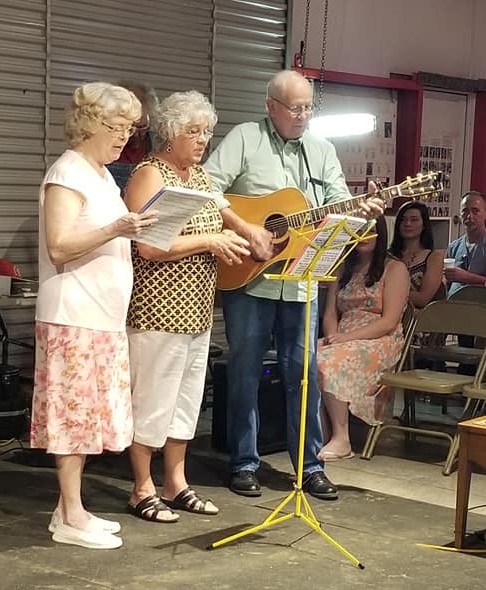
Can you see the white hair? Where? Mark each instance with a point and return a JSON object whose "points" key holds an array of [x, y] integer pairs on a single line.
{"points": [[281, 80], [181, 110]]}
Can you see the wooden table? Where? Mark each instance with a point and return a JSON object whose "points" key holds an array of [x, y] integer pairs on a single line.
{"points": [[472, 454]]}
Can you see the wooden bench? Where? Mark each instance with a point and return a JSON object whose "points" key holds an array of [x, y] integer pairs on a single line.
{"points": [[472, 454]]}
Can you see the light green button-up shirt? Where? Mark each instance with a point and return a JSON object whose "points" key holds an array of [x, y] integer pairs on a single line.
{"points": [[253, 160]]}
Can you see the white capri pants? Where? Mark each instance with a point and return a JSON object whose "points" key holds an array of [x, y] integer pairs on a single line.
{"points": [[168, 374]]}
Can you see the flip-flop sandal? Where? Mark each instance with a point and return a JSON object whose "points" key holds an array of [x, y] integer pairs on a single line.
{"points": [[153, 509], [329, 456], [189, 500]]}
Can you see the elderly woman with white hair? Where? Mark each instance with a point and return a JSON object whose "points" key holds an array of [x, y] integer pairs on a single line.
{"points": [[81, 402], [171, 310]]}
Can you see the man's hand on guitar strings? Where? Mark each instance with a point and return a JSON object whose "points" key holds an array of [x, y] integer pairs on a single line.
{"points": [[261, 245], [228, 246], [373, 207]]}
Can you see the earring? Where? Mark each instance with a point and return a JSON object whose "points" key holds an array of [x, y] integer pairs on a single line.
{"points": [[168, 147]]}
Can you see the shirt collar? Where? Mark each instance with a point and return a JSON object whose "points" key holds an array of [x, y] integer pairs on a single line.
{"points": [[295, 143]]}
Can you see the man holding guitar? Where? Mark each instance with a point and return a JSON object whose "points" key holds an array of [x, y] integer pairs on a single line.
{"points": [[254, 159]]}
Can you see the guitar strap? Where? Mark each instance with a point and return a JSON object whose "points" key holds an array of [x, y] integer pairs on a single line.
{"points": [[313, 181]]}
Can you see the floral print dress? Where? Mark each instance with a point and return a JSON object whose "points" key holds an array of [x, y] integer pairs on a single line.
{"points": [[351, 371]]}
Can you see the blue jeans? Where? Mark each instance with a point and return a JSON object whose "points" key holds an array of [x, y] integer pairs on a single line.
{"points": [[250, 322]]}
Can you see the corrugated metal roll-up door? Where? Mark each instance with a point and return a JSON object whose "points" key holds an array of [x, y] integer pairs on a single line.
{"points": [[227, 49], [165, 44], [248, 48], [22, 100]]}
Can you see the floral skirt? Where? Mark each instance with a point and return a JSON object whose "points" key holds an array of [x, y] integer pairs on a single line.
{"points": [[82, 399]]}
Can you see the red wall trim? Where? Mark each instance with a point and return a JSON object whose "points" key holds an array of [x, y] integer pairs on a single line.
{"points": [[360, 80], [478, 168], [409, 112]]}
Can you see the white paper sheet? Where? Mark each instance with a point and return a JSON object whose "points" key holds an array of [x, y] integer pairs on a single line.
{"points": [[175, 206], [329, 257]]}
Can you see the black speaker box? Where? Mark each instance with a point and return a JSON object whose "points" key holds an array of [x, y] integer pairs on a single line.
{"points": [[13, 413], [272, 436]]}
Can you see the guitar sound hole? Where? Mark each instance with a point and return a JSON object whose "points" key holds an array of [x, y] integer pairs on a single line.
{"points": [[277, 225]]}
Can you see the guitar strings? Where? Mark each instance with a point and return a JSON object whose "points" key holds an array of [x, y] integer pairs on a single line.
{"points": [[301, 218]]}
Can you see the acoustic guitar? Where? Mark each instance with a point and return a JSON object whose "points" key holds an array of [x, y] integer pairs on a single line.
{"points": [[289, 208]]}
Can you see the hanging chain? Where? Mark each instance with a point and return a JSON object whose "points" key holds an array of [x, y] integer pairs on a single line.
{"points": [[320, 96], [306, 33]]}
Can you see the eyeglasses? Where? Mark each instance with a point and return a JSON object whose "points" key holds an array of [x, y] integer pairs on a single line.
{"points": [[295, 110], [194, 134], [120, 129]]}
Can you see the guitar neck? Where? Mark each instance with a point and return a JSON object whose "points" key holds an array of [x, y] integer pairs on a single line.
{"points": [[348, 206], [317, 214]]}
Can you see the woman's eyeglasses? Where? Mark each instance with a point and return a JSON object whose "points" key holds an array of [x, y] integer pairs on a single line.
{"points": [[194, 134], [120, 130]]}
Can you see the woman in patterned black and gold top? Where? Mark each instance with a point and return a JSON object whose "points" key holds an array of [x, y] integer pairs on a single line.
{"points": [[413, 243], [171, 310]]}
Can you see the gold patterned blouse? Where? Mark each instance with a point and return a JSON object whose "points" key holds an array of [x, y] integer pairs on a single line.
{"points": [[177, 296]]}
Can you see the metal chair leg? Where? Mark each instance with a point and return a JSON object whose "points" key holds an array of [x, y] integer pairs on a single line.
{"points": [[451, 455], [366, 452]]}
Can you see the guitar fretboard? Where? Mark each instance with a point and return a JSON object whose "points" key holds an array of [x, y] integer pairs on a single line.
{"points": [[317, 214]]}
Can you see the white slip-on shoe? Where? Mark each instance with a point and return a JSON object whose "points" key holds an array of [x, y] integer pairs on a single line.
{"points": [[89, 539], [95, 524]]}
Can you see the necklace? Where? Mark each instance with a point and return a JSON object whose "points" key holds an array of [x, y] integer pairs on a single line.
{"points": [[182, 172], [409, 259]]}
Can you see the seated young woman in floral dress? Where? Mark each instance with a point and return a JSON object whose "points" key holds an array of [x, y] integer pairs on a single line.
{"points": [[362, 336]]}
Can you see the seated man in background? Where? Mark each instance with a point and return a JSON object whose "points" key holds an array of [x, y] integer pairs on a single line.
{"points": [[469, 251]]}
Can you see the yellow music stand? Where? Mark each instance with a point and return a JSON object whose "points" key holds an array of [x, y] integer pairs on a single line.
{"points": [[303, 509]]}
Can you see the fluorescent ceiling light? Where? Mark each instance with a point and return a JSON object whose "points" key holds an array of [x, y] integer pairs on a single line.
{"points": [[342, 125]]}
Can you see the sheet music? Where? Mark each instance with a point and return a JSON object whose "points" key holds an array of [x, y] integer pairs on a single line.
{"points": [[319, 238], [176, 206]]}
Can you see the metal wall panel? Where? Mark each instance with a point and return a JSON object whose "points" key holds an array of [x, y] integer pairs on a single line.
{"points": [[163, 43], [227, 49], [22, 100], [249, 47]]}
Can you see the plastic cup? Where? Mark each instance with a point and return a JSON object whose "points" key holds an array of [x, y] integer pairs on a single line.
{"points": [[449, 263]]}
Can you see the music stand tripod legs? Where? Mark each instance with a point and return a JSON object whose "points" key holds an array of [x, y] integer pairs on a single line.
{"points": [[303, 509]]}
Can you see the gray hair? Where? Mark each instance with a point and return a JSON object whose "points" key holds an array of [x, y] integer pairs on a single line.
{"points": [[279, 82], [144, 92], [181, 110], [95, 102]]}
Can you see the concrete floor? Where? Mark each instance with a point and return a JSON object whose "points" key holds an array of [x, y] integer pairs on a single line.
{"points": [[386, 506]]}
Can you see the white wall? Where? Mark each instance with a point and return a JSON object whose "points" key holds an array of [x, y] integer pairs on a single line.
{"points": [[376, 37]]}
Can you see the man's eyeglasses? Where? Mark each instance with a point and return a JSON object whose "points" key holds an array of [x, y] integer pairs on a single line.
{"points": [[295, 110], [120, 130], [194, 134]]}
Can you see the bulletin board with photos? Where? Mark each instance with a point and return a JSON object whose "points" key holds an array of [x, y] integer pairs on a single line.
{"points": [[369, 157], [438, 158]]}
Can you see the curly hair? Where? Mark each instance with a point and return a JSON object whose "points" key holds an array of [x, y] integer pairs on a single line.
{"points": [[181, 110], [95, 102]]}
